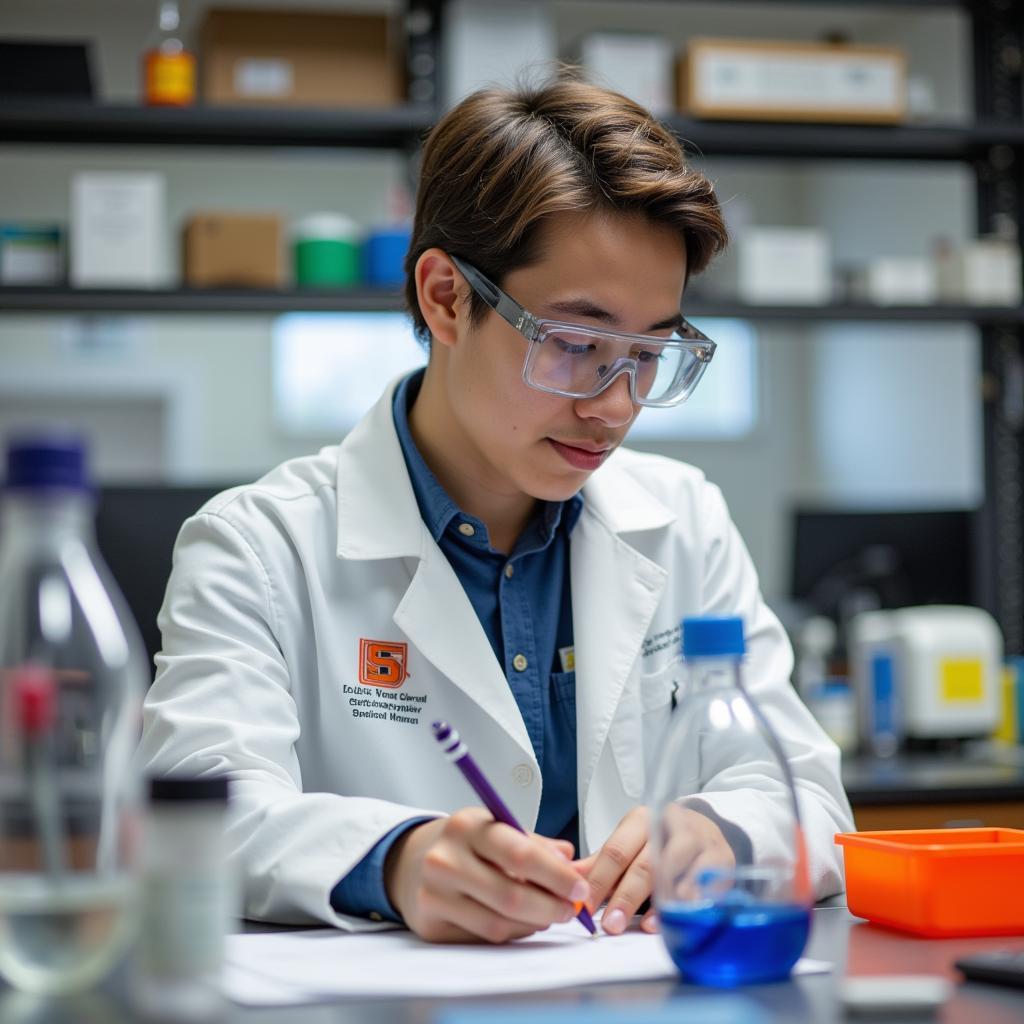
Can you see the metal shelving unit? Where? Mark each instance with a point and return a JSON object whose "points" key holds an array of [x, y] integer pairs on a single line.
{"points": [[993, 145]]}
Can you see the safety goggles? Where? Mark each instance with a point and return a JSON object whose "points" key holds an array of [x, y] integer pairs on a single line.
{"points": [[580, 362]]}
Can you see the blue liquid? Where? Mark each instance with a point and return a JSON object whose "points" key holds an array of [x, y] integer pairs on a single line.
{"points": [[726, 945]]}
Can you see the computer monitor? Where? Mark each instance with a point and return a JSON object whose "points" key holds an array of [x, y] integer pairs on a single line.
{"points": [[905, 557], [136, 527]]}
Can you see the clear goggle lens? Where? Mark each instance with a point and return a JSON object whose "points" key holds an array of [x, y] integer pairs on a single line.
{"points": [[580, 363]]}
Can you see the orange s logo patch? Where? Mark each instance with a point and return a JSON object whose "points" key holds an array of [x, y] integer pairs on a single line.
{"points": [[382, 663]]}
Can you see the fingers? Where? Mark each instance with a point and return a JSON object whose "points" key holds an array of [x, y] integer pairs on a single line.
{"points": [[633, 888], [463, 919], [518, 902], [522, 858], [562, 848], [613, 860], [468, 878]]}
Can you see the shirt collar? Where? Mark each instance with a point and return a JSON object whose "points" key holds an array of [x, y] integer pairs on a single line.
{"points": [[436, 506]]}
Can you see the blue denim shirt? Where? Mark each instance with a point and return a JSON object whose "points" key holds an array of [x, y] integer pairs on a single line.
{"points": [[523, 601]]}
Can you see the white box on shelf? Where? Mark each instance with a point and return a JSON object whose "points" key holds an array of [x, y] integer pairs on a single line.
{"points": [[638, 65], [486, 44], [118, 230], [984, 272], [776, 266], [899, 281]]}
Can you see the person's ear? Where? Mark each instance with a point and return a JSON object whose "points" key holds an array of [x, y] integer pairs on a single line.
{"points": [[439, 289]]}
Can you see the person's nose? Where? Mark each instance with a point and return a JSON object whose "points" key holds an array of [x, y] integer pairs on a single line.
{"points": [[614, 406]]}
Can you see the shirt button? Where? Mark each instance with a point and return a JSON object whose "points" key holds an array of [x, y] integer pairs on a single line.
{"points": [[466, 529], [519, 663], [522, 775], [375, 916], [509, 571]]}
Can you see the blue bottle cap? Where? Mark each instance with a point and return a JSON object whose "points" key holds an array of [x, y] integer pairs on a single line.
{"points": [[46, 461], [713, 637]]}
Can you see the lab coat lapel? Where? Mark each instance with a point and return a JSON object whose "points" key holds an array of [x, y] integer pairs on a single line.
{"points": [[615, 592], [439, 619], [378, 518]]}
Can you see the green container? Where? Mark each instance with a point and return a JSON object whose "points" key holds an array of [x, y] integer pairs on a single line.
{"points": [[327, 252]]}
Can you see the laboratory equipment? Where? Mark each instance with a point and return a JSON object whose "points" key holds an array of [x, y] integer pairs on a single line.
{"points": [[746, 919]]}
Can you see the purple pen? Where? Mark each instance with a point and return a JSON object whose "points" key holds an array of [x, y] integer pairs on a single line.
{"points": [[458, 753]]}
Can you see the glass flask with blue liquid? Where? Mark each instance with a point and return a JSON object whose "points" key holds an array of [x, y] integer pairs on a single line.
{"points": [[739, 919]]}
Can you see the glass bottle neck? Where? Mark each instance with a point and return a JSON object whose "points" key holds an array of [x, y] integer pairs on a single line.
{"points": [[47, 514], [713, 673]]}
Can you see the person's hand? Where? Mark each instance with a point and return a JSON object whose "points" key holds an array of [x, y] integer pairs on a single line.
{"points": [[621, 871], [467, 878]]}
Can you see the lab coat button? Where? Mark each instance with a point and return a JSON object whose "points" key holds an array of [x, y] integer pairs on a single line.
{"points": [[466, 529], [519, 663], [522, 775]]}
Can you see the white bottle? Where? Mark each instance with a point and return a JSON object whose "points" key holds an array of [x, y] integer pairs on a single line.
{"points": [[187, 900]]}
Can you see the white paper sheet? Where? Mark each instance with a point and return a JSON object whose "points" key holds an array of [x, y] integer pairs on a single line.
{"points": [[285, 968]]}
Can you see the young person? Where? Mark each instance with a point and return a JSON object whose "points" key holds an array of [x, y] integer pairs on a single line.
{"points": [[480, 550]]}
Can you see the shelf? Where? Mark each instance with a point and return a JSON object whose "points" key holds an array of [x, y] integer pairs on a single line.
{"points": [[196, 300], [948, 313], [241, 300], [842, 142], [81, 123], [112, 124]]}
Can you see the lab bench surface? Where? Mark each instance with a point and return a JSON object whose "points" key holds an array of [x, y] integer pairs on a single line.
{"points": [[937, 791], [852, 946]]}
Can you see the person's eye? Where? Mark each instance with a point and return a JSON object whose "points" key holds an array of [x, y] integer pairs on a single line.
{"points": [[645, 355], [572, 348]]}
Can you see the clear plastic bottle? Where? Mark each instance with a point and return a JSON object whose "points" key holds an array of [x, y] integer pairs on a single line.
{"points": [[726, 924], [72, 679]]}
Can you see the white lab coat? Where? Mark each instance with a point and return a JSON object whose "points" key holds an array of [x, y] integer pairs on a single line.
{"points": [[275, 584]]}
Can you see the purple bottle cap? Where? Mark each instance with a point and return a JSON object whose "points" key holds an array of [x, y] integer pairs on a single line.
{"points": [[51, 461]]}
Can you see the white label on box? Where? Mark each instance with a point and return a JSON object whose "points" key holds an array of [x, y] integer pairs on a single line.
{"points": [[264, 77], [792, 80]]}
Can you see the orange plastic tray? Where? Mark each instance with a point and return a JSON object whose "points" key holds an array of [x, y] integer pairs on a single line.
{"points": [[937, 882]]}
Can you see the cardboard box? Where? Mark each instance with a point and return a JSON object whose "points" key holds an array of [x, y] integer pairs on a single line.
{"points": [[118, 230], [233, 250], [278, 58], [778, 81], [636, 64]]}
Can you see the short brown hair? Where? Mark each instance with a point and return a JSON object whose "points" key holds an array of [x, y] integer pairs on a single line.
{"points": [[503, 160]]}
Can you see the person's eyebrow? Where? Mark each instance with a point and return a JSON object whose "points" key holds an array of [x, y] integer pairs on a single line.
{"points": [[586, 308]]}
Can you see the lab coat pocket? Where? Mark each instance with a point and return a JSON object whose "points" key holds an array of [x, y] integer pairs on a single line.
{"points": [[639, 724]]}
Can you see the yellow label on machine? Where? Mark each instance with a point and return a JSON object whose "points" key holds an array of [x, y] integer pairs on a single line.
{"points": [[1007, 730], [961, 679]]}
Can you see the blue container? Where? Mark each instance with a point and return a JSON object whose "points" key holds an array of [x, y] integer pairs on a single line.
{"points": [[384, 257], [743, 944]]}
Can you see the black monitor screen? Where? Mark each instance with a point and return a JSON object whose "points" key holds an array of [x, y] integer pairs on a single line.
{"points": [[136, 528], [906, 558]]}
